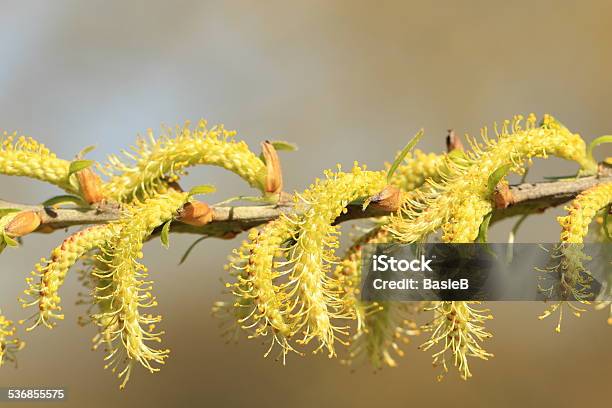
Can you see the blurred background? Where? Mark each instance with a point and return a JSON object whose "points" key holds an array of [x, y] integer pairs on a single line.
{"points": [[345, 80]]}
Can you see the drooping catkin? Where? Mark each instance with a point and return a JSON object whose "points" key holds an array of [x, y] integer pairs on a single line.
{"points": [[129, 329], [382, 327], [9, 345], [459, 328], [261, 304], [49, 274], [312, 286], [157, 162], [569, 265]]}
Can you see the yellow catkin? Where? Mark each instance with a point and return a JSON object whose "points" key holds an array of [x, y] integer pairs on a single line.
{"points": [[129, 330], [569, 257], [458, 328], [582, 211], [261, 304], [8, 344], [49, 274], [382, 327], [313, 254], [461, 200], [161, 161], [416, 168], [23, 156]]}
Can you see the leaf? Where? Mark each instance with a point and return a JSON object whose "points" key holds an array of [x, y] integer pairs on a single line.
{"points": [[203, 189], [2, 245], [165, 239], [9, 241], [6, 211], [597, 142], [78, 165], [496, 177], [400, 157], [86, 150], [61, 199], [280, 145], [456, 154], [193, 245], [483, 231]]}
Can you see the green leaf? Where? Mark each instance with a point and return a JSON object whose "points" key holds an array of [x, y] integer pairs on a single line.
{"points": [[400, 157], [9, 241], [496, 177], [2, 245], [456, 154], [86, 150], [165, 232], [7, 211], [203, 189], [193, 245], [483, 231], [78, 165], [597, 142], [62, 199], [280, 145]]}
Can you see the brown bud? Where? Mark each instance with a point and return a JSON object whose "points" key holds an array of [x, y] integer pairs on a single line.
{"points": [[196, 213], [274, 176], [502, 196], [389, 199], [23, 223], [90, 184], [453, 142]]}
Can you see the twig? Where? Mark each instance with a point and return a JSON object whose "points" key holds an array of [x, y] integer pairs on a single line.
{"points": [[228, 221]]}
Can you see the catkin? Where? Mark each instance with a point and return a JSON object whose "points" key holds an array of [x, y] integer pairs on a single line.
{"points": [[461, 200], [8, 344], [23, 156], [315, 291], [159, 162], [382, 327], [574, 280], [261, 304], [128, 329], [49, 274]]}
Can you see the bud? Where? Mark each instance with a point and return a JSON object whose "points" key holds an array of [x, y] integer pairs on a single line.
{"points": [[274, 176], [502, 196], [453, 142], [90, 184], [196, 213], [23, 223], [389, 199]]}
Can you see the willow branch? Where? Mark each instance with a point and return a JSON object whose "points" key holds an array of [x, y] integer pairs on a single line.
{"points": [[228, 221]]}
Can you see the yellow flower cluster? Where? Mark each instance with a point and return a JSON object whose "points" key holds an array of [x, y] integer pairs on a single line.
{"points": [[569, 257], [416, 168], [300, 248], [8, 344], [382, 327], [459, 328], [157, 162], [460, 202], [582, 211], [23, 156], [49, 275], [130, 330]]}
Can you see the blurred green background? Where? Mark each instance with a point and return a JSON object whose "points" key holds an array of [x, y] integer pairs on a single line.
{"points": [[346, 80]]}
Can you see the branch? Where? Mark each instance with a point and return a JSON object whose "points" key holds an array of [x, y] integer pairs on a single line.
{"points": [[228, 221]]}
